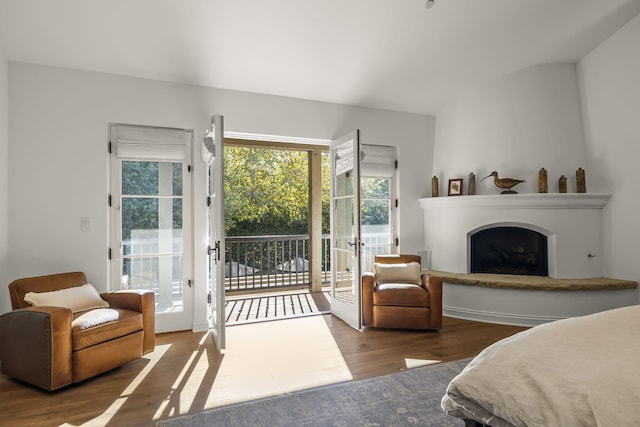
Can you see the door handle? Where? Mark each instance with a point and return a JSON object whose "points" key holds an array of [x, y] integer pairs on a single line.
{"points": [[216, 250]]}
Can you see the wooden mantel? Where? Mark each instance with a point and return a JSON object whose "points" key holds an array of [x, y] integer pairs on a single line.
{"points": [[512, 281]]}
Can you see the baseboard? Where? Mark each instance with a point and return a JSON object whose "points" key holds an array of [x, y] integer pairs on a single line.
{"points": [[200, 327], [499, 318]]}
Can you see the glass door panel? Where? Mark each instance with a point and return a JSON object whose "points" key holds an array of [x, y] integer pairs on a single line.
{"points": [[152, 230], [376, 217], [345, 229], [214, 144]]}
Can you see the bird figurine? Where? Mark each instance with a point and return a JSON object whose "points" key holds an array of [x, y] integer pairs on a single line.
{"points": [[507, 183]]}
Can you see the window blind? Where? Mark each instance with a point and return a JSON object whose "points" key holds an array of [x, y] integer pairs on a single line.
{"points": [[149, 143], [375, 160]]}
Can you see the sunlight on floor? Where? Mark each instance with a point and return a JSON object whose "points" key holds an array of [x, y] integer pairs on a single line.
{"points": [[416, 363], [262, 359], [192, 371], [265, 359], [158, 352]]}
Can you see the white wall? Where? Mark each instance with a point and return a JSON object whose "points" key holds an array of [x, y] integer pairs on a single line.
{"points": [[58, 130], [4, 186], [517, 125], [610, 88]]}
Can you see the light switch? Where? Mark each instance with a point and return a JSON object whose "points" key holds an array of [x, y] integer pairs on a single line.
{"points": [[85, 224]]}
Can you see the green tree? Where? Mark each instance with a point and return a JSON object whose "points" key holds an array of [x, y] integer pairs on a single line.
{"points": [[266, 191], [374, 194], [141, 178]]}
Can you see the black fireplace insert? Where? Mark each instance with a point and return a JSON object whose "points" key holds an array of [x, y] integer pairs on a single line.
{"points": [[509, 250]]}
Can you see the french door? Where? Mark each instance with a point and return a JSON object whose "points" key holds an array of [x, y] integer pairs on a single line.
{"points": [[213, 154], [151, 229], [346, 301]]}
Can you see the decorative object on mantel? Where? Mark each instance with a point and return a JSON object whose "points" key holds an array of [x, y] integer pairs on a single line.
{"points": [[455, 187], [542, 181], [434, 186], [507, 183], [562, 184], [581, 185], [471, 186]]}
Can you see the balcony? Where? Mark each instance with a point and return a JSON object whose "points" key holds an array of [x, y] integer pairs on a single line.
{"points": [[268, 277], [262, 263]]}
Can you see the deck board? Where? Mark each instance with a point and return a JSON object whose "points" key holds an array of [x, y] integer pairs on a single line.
{"points": [[265, 307]]}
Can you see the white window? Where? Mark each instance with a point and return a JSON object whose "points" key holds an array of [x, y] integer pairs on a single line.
{"points": [[377, 201], [151, 236]]}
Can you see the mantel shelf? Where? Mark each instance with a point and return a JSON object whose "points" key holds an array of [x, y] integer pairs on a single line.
{"points": [[509, 281], [517, 201]]}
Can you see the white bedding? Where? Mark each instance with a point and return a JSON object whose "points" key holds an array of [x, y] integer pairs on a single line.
{"points": [[583, 371]]}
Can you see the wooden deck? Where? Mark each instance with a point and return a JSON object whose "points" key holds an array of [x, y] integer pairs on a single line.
{"points": [[275, 306]]}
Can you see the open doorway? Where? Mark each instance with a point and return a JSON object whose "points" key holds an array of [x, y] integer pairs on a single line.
{"points": [[277, 227], [277, 230]]}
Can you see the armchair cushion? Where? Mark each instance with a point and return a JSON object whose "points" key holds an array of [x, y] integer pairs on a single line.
{"points": [[401, 294], [103, 324], [78, 298], [397, 273]]}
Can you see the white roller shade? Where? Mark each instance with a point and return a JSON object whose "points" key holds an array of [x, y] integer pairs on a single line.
{"points": [[344, 159], [149, 143], [377, 161]]}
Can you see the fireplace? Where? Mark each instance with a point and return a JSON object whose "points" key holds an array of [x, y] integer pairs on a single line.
{"points": [[572, 224], [509, 250]]}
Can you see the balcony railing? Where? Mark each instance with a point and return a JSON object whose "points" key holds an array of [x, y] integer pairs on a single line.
{"points": [[281, 261], [268, 262]]}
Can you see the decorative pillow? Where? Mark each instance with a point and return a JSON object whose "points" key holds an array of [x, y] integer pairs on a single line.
{"points": [[397, 273], [78, 298]]}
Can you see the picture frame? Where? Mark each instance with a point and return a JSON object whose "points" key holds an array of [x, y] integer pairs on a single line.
{"points": [[455, 187]]}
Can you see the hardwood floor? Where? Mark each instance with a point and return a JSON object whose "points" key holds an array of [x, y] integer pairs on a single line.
{"points": [[187, 374]]}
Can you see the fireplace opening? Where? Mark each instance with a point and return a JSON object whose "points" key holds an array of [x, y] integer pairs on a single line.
{"points": [[509, 250]]}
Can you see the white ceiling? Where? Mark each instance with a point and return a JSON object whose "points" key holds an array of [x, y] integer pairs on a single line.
{"points": [[390, 54]]}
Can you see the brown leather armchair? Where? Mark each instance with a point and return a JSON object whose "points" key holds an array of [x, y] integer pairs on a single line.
{"points": [[51, 347], [401, 305]]}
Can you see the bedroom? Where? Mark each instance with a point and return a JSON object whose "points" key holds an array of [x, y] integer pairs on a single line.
{"points": [[53, 118]]}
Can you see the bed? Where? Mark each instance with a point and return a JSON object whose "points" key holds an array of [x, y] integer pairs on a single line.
{"points": [[582, 371]]}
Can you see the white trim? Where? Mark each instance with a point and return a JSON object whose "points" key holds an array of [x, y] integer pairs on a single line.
{"points": [[518, 201], [527, 307], [200, 327], [498, 318], [276, 138]]}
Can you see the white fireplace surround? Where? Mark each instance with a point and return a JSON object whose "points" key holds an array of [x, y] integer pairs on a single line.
{"points": [[572, 223], [573, 226]]}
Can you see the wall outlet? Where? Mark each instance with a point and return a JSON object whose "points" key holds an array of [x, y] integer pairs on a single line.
{"points": [[85, 224]]}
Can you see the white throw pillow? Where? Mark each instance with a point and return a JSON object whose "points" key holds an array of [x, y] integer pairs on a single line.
{"points": [[78, 298], [397, 273]]}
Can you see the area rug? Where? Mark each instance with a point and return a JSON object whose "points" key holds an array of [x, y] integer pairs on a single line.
{"points": [[405, 398]]}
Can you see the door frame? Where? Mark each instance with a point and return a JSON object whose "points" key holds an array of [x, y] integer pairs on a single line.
{"points": [[349, 311], [164, 322], [216, 228]]}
